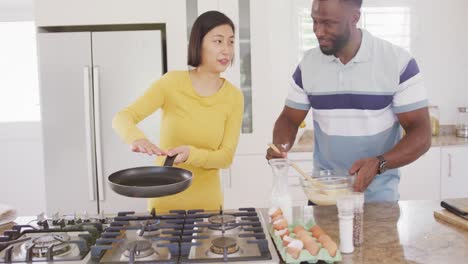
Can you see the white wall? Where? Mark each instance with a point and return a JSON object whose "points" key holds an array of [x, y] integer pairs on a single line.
{"points": [[16, 10], [21, 167], [440, 42], [91, 12], [21, 158]]}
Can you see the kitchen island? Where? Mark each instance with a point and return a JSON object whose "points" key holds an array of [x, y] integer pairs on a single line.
{"points": [[403, 232]]}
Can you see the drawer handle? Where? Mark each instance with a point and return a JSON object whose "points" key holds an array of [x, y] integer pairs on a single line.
{"points": [[450, 165]]}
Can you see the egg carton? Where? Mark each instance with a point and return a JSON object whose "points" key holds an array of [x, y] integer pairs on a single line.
{"points": [[305, 256]]}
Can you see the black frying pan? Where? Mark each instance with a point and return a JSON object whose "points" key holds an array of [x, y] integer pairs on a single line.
{"points": [[148, 182]]}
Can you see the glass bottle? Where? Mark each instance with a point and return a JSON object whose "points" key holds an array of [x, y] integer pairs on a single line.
{"points": [[462, 122], [280, 196], [435, 116]]}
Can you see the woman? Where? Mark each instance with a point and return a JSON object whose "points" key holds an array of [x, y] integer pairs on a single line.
{"points": [[202, 116]]}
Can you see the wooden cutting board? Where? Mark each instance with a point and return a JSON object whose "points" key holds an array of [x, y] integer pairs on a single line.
{"points": [[450, 218]]}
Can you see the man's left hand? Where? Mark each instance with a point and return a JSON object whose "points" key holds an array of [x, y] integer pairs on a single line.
{"points": [[366, 170]]}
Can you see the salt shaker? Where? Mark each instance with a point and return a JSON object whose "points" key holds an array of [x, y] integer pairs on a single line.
{"points": [[358, 224], [345, 206]]}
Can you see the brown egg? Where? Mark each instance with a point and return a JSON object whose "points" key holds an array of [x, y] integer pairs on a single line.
{"points": [[328, 244], [302, 233], [294, 248], [274, 212], [305, 239], [298, 228], [280, 224], [317, 231], [311, 246], [287, 240], [281, 233], [277, 218]]}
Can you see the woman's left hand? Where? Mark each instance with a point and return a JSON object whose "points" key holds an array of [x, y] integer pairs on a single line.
{"points": [[182, 153]]}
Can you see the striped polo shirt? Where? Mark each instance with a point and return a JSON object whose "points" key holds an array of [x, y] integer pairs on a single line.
{"points": [[354, 106]]}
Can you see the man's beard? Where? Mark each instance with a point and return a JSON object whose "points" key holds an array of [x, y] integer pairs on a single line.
{"points": [[337, 43]]}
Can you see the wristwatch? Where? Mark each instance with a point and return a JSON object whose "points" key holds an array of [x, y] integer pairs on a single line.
{"points": [[382, 164]]}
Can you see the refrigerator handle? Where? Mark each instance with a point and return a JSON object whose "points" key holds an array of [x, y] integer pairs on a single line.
{"points": [[97, 129], [89, 136]]}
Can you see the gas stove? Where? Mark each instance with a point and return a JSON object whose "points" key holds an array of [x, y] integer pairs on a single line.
{"points": [[192, 236], [57, 239], [219, 236]]}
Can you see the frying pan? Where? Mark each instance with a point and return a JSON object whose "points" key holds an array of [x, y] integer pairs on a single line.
{"points": [[153, 181]]}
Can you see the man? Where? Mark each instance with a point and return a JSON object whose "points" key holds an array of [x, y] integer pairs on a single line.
{"points": [[360, 89]]}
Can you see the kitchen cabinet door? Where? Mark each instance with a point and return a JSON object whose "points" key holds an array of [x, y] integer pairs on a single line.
{"points": [[249, 182], [65, 74], [454, 173], [125, 63], [254, 68], [420, 180]]}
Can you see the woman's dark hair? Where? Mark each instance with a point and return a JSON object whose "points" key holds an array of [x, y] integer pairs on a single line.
{"points": [[202, 25]]}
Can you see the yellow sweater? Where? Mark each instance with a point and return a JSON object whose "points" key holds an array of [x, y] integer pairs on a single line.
{"points": [[209, 125]]}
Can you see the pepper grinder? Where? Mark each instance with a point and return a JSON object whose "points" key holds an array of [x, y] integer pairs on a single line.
{"points": [[358, 226]]}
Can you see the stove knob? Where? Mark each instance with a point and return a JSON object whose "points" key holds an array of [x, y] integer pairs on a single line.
{"points": [[55, 218], [85, 217]]}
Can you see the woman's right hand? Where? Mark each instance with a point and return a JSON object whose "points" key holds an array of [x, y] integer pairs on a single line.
{"points": [[143, 145]]}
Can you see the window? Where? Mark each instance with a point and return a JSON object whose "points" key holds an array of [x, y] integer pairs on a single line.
{"points": [[389, 23], [19, 88]]}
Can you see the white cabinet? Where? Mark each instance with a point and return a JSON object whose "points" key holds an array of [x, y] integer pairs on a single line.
{"points": [[454, 172], [85, 78], [420, 180], [249, 182], [255, 71], [439, 174], [62, 60]]}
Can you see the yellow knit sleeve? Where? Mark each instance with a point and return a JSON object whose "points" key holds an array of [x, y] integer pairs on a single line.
{"points": [[125, 122], [222, 157]]}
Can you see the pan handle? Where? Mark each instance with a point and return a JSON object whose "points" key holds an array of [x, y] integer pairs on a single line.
{"points": [[169, 161]]}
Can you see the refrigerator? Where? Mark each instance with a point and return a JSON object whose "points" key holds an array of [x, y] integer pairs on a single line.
{"points": [[85, 79]]}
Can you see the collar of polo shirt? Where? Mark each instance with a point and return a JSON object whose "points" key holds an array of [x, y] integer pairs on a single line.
{"points": [[363, 54]]}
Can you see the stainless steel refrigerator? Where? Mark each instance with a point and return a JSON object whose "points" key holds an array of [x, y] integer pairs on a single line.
{"points": [[85, 79]]}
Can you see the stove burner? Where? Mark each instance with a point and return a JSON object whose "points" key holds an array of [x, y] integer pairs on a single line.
{"points": [[147, 234], [220, 244], [141, 249], [149, 229], [41, 244], [222, 219]]}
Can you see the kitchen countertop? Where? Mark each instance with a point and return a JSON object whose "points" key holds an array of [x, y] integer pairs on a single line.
{"points": [[305, 143], [403, 232]]}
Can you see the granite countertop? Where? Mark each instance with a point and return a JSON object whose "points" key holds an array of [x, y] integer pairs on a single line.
{"points": [[448, 140], [305, 143], [403, 232]]}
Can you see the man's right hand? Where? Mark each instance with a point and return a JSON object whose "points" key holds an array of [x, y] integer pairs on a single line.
{"points": [[285, 131], [272, 154], [143, 145]]}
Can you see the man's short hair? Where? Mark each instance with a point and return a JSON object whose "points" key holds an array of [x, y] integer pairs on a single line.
{"points": [[357, 3]]}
